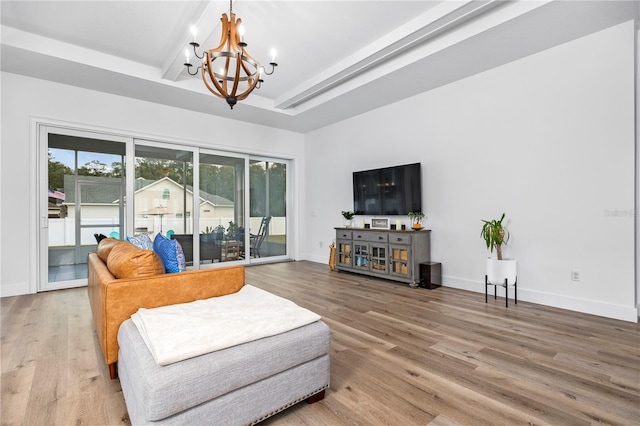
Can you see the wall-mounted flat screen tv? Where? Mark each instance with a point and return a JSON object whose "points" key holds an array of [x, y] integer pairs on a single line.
{"points": [[388, 191]]}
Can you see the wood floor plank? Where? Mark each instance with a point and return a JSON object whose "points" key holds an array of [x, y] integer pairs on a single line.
{"points": [[16, 388], [565, 406], [47, 400], [590, 392], [83, 362], [399, 356]]}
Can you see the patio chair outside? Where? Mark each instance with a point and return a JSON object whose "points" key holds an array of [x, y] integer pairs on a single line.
{"points": [[257, 239]]}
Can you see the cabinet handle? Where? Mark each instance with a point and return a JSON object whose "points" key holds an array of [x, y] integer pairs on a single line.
{"points": [[380, 238], [399, 239]]}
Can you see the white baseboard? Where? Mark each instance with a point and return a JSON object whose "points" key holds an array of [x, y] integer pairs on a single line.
{"points": [[8, 290], [315, 258], [593, 307]]}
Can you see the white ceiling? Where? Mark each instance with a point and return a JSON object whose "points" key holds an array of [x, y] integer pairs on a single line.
{"points": [[336, 59]]}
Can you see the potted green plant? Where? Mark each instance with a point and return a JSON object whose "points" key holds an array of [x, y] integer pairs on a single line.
{"points": [[495, 236], [232, 231], [212, 234], [416, 219], [348, 217], [218, 233]]}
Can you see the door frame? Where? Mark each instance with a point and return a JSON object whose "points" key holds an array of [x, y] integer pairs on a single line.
{"points": [[288, 205], [80, 183], [245, 207], [41, 217]]}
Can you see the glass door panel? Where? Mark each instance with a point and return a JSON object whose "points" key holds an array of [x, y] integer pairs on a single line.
{"points": [[221, 207], [96, 218], [85, 193], [379, 258], [400, 260], [163, 200], [344, 253], [361, 255], [268, 208]]}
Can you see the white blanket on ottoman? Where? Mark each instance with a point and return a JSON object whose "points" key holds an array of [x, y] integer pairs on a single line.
{"points": [[177, 332]]}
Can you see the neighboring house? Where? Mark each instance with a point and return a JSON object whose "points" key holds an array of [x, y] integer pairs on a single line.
{"points": [[166, 197], [153, 198], [57, 211]]}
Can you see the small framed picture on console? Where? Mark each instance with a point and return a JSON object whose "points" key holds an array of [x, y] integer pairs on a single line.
{"points": [[380, 223]]}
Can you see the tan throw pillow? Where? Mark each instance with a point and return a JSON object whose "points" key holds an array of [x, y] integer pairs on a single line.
{"points": [[129, 261], [105, 246]]}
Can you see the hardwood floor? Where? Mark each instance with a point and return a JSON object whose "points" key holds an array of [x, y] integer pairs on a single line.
{"points": [[399, 356]]}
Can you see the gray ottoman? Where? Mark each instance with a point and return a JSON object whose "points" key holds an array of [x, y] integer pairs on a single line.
{"points": [[241, 385]]}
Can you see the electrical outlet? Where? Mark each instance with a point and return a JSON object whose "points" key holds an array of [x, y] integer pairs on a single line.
{"points": [[575, 275]]}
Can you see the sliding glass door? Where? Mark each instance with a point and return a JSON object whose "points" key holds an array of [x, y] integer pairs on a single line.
{"points": [[221, 206], [82, 195], [163, 201], [222, 212], [268, 209]]}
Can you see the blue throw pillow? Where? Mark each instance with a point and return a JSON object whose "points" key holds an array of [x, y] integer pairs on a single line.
{"points": [[170, 251], [141, 241]]}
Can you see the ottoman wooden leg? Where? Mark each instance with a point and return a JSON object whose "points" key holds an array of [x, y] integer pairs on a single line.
{"points": [[315, 398]]}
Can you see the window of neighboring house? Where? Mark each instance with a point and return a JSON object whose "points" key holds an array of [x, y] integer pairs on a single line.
{"points": [[207, 211], [166, 195], [179, 215]]}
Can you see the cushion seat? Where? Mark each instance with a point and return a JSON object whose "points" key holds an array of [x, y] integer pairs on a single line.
{"points": [[154, 392]]}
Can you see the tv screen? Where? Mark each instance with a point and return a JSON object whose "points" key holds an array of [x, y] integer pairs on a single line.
{"points": [[388, 191]]}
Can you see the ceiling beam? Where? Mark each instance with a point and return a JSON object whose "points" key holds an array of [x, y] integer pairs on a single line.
{"points": [[207, 21]]}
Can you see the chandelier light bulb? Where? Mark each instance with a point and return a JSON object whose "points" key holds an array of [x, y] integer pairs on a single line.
{"points": [[194, 32], [187, 56], [273, 55], [241, 32]]}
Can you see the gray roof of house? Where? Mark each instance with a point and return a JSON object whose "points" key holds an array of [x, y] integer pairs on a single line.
{"points": [[106, 190]]}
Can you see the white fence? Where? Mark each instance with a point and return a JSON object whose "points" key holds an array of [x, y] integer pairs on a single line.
{"points": [[62, 231]]}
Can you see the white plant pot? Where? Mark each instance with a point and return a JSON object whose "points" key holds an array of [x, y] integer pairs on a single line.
{"points": [[498, 270]]}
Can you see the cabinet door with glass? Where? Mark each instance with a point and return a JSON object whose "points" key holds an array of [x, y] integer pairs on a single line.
{"points": [[361, 256], [378, 259], [400, 260], [343, 253]]}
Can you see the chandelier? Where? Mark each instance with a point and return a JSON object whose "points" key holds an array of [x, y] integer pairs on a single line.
{"points": [[228, 70]]}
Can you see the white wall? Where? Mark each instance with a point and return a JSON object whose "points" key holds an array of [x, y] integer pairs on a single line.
{"points": [[559, 123], [548, 139], [637, 205], [24, 98]]}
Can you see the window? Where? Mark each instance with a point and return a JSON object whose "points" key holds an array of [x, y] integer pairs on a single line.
{"points": [[268, 207], [158, 172], [222, 185]]}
